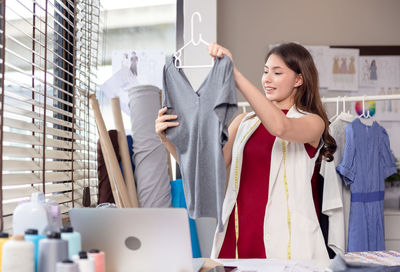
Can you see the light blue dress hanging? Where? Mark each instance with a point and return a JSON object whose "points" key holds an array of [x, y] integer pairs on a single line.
{"points": [[366, 162]]}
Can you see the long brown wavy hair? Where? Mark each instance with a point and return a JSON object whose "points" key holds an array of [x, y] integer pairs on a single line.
{"points": [[307, 97]]}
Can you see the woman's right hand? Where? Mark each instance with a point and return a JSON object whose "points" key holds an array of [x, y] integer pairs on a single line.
{"points": [[163, 122], [217, 51]]}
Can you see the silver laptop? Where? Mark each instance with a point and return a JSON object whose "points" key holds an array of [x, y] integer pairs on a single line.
{"points": [[136, 240]]}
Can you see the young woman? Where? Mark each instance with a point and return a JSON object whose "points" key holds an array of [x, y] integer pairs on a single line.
{"points": [[268, 209]]}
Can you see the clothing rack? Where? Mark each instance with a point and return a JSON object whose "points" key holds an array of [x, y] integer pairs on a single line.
{"points": [[338, 99], [361, 98]]}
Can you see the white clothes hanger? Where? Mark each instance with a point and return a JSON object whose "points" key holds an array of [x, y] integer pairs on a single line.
{"points": [[363, 115], [366, 118], [344, 104], [346, 116], [178, 53], [337, 110]]}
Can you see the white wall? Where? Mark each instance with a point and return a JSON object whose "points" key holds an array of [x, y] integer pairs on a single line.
{"points": [[248, 27]]}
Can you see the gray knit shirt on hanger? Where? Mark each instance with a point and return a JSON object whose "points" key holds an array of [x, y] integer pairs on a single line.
{"points": [[203, 118]]}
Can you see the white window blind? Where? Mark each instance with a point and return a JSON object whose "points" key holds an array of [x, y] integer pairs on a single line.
{"points": [[49, 54]]}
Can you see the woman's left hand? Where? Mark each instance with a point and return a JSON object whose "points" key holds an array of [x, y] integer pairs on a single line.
{"points": [[217, 51]]}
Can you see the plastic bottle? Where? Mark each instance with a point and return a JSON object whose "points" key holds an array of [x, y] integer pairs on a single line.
{"points": [[52, 250], [85, 263], [99, 260], [33, 236], [74, 241], [31, 215], [3, 238], [53, 215], [67, 266], [18, 255]]}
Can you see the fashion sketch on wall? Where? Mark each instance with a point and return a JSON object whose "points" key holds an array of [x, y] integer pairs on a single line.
{"points": [[320, 56], [378, 71], [344, 72], [131, 68]]}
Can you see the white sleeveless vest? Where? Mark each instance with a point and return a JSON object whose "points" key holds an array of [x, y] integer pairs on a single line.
{"points": [[291, 227]]}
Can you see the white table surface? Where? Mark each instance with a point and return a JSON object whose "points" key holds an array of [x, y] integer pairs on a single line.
{"points": [[271, 265]]}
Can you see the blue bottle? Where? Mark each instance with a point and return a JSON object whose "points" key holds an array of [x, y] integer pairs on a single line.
{"points": [[33, 236], [74, 241]]}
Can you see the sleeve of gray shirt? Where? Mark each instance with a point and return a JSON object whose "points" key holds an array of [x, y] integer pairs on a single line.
{"points": [[226, 102]]}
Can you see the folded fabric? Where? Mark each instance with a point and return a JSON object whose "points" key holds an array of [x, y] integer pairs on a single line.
{"points": [[104, 191], [149, 154], [340, 265]]}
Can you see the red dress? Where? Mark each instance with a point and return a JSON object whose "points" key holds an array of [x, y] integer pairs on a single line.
{"points": [[252, 198]]}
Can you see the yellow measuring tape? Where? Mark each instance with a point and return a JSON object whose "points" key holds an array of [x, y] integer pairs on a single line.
{"points": [[289, 249], [237, 191]]}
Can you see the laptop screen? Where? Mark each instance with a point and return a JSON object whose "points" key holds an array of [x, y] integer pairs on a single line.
{"points": [[139, 239]]}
